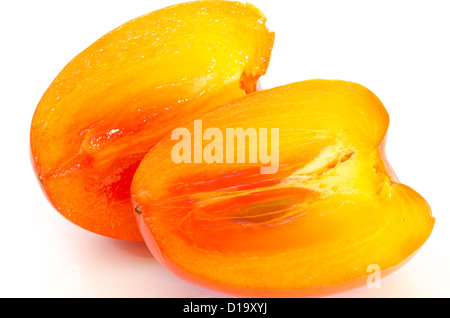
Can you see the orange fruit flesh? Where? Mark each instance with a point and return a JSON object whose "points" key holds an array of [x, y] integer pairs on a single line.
{"points": [[122, 94], [333, 208]]}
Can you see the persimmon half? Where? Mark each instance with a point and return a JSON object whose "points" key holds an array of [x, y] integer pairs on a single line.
{"points": [[116, 99], [330, 211]]}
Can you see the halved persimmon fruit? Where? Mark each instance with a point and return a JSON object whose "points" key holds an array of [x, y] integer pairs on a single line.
{"points": [[327, 210], [121, 95]]}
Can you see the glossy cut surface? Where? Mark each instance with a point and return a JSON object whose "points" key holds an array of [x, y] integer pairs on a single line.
{"points": [[121, 95], [333, 209]]}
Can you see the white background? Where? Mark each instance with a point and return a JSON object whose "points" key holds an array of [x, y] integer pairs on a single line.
{"points": [[398, 49]]}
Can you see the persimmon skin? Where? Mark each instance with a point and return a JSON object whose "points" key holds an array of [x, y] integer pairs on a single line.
{"points": [[117, 98], [334, 207]]}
